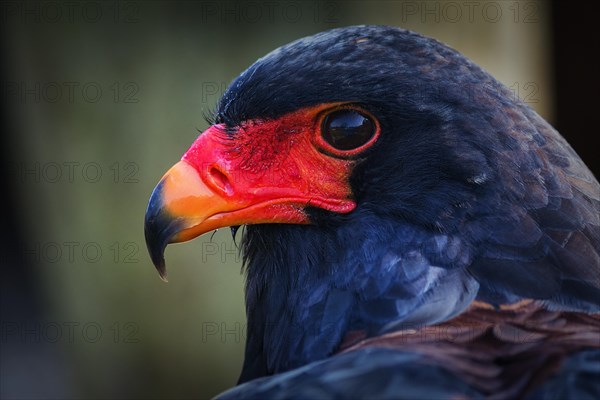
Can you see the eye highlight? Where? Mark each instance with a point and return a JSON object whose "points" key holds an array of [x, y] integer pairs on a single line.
{"points": [[348, 130]]}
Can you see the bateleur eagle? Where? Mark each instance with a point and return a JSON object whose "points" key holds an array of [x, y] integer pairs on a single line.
{"points": [[413, 230]]}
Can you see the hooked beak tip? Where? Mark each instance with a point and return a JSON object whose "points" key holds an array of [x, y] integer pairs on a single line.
{"points": [[162, 270], [159, 227]]}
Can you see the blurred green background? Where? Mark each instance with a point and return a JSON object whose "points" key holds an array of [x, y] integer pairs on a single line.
{"points": [[103, 97]]}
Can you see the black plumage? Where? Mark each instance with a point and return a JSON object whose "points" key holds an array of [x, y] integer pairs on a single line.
{"points": [[469, 199]]}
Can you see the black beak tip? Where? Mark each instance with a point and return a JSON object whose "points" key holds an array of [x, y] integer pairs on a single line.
{"points": [[159, 227], [162, 269], [156, 244]]}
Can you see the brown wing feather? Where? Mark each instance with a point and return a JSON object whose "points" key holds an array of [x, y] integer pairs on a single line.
{"points": [[503, 353]]}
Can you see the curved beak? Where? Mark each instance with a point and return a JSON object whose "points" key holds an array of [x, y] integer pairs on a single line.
{"points": [[183, 206], [159, 227], [210, 188], [178, 210]]}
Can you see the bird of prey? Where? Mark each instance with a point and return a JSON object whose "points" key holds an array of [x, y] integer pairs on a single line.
{"points": [[412, 230]]}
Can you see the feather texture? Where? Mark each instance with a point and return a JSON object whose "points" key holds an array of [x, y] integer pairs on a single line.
{"points": [[468, 195]]}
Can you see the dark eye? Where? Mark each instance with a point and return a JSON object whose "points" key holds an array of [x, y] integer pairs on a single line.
{"points": [[347, 129]]}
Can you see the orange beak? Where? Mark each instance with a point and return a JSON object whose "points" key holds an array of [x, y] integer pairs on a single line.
{"points": [[224, 180]]}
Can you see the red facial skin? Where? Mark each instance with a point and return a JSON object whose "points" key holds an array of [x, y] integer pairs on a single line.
{"points": [[263, 172]]}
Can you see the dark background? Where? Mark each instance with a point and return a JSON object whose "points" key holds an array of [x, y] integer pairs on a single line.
{"points": [[83, 313]]}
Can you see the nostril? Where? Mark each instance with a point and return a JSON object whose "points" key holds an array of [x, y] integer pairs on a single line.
{"points": [[220, 180]]}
